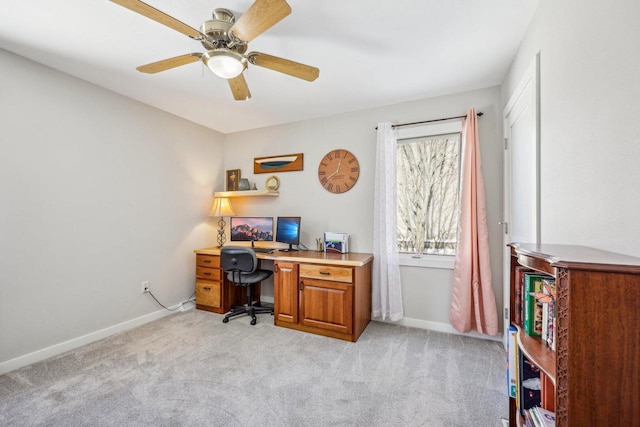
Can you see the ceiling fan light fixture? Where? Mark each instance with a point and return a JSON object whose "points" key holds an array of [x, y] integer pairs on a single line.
{"points": [[225, 63]]}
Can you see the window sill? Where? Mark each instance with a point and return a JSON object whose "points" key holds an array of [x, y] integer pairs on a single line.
{"points": [[428, 261]]}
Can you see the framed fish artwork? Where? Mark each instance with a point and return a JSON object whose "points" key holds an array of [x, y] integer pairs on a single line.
{"points": [[281, 163]]}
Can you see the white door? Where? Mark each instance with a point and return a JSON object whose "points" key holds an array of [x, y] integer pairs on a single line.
{"points": [[521, 170]]}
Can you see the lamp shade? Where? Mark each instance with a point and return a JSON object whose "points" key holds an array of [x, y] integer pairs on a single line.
{"points": [[221, 207]]}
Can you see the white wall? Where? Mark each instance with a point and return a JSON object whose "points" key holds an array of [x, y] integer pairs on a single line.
{"points": [[97, 194], [590, 131], [427, 292]]}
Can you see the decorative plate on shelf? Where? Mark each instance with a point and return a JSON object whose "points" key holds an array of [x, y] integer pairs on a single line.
{"points": [[272, 183]]}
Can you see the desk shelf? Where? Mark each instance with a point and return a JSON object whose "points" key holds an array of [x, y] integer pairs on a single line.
{"points": [[247, 193]]}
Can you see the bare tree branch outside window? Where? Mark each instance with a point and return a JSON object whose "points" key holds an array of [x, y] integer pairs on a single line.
{"points": [[428, 172]]}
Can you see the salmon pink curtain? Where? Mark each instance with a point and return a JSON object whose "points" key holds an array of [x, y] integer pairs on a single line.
{"points": [[473, 303]]}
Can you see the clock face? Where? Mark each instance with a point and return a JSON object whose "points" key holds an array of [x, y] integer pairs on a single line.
{"points": [[338, 171]]}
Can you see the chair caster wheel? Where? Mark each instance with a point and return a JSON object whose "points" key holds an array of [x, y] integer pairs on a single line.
{"points": [[253, 321], [225, 320]]}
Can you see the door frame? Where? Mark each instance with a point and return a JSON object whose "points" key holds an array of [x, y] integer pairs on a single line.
{"points": [[529, 81]]}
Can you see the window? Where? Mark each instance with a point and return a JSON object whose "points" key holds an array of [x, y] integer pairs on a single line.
{"points": [[428, 175]]}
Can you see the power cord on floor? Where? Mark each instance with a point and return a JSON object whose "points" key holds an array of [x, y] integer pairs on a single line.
{"points": [[191, 298]]}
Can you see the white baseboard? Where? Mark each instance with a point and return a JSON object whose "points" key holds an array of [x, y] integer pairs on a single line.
{"points": [[438, 327], [73, 343], [266, 299]]}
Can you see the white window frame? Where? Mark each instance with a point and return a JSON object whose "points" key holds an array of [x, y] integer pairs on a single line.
{"points": [[419, 131]]}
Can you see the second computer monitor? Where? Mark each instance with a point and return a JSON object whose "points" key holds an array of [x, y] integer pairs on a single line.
{"points": [[288, 231]]}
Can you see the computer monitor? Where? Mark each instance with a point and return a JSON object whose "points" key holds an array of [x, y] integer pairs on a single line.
{"points": [[288, 231], [251, 228]]}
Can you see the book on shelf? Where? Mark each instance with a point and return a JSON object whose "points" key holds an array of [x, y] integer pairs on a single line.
{"points": [[518, 303], [545, 417], [547, 299], [512, 362], [529, 383], [550, 288], [528, 419], [532, 309], [539, 417]]}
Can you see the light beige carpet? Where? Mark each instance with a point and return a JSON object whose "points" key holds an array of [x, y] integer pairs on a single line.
{"points": [[190, 369]]}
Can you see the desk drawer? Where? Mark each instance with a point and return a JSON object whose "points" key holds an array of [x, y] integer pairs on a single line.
{"points": [[208, 273], [324, 272], [208, 294], [212, 261]]}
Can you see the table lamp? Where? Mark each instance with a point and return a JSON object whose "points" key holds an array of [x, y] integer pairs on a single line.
{"points": [[221, 208]]}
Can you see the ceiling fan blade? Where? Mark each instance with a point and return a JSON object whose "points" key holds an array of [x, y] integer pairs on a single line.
{"points": [[161, 17], [262, 15], [295, 69], [239, 88], [167, 64]]}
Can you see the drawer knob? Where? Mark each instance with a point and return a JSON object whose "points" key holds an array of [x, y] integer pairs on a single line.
{"points": [[207, 274], [207, 261], [326, 273], [207, 288]]}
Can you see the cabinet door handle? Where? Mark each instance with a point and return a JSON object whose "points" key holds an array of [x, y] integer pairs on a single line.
{"points": [[207, 288], [301, 285]]}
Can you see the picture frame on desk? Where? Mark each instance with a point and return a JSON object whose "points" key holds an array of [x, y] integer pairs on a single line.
{"points": [[336, 242], [233, 179]]}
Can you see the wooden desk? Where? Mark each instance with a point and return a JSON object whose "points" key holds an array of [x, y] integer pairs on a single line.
{"points": [[322, 293]]}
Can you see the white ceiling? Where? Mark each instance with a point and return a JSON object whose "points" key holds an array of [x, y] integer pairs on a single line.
{"points": [[370, 53]]}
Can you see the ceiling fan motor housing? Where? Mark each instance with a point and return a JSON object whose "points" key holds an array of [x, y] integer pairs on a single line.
{"points": [[218, 30], [223, 15]]}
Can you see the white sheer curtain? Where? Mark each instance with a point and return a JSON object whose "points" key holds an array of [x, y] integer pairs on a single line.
{"points": [[387, 292]]}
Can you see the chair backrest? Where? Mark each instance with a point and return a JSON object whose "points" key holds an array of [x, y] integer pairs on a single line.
{"points": [[238, 258]]}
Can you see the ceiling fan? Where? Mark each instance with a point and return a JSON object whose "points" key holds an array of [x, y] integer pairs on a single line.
{"points": [[225, 40]]}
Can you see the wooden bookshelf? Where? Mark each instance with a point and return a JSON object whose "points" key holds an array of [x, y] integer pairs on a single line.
{"points": [[591, 377]]}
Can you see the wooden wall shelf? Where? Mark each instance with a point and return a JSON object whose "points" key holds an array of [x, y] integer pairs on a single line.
{"points": [[246, 193]]}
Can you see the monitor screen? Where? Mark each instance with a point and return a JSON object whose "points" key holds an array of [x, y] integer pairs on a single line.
{"points": [[288, 230], [250, 228]]}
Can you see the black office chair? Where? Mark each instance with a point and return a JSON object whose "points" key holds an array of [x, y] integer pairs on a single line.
{"points": [[241, 265]]}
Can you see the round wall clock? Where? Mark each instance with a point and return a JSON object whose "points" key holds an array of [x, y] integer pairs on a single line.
{"points": [[338, 171]]}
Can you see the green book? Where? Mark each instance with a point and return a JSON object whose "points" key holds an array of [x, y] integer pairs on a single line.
{"points": [[532, 284]]}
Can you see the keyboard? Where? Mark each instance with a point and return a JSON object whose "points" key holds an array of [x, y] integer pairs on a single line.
{"points": [[263, 250]]}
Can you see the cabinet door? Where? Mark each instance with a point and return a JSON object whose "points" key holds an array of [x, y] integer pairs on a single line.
{"points": [[285, 292], [326, 305]]}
